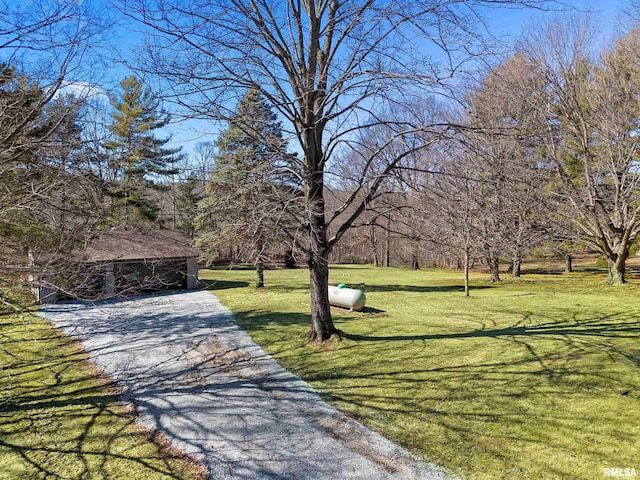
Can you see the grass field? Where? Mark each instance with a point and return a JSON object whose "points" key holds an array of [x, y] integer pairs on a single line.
{"points": [[537, 377], [59, 419]]}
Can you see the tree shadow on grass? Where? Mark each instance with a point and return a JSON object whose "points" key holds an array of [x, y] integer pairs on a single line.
{"points": [[608, 326], [372, 310], [349, 267], [259, 318], [59, 416], [72, 433], [490, 387], [601, 330], [484, 384], [421, 289], [591, 270], [222, 284], [543, 271]]}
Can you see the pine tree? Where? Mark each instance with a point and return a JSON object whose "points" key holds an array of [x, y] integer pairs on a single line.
{"points": [[138, 157], [23, 124], [46, 188], [39, 161], [189, 195], [243, 209]]}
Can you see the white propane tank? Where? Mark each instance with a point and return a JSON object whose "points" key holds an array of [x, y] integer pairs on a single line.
{"points": [[347, 298]]}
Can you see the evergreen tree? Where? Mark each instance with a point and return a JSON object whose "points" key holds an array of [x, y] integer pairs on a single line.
{"points": [[46, 190], [189, 195], [39, 164], [243, 209], [138, 157], [22, 126]]}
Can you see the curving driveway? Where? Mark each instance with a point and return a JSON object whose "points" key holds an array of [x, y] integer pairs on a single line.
{"points": [[194, 375]]}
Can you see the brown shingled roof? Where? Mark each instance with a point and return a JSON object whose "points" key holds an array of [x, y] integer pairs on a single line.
{"points": [[139, 245]]}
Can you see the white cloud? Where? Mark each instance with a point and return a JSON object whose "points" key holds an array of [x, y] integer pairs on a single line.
{"points": [[82, 90]]}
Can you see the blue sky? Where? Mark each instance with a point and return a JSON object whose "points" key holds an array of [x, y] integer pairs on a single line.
{"points": [[508, 24], [512, 22]]}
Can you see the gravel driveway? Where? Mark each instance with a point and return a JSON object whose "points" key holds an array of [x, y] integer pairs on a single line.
{"points": [[194, 375]]}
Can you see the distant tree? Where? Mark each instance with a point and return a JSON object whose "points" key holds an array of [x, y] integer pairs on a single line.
{"points": [[188, 197], [201, 162], [137, 157], [504, 145], [592, 142], [246, 197], [450, 201]]}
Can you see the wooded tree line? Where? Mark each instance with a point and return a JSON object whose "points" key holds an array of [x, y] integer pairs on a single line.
{"points": [[543, 156], [341, 139]]}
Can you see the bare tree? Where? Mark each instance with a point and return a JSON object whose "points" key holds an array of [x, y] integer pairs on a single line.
{"points": [[592, 139], [43, 45], [328, 66], [202, 161], [503, 143], [450, 200]]}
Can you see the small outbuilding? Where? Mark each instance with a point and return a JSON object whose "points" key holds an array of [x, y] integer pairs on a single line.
{"points": [[122, 262]]}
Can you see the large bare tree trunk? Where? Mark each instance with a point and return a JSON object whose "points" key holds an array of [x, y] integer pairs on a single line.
{"points": [[517, 266], [322, 327], [616, 269]]}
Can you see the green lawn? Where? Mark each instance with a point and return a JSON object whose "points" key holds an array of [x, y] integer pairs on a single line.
{"points": [[60, 420], [538, 377]]}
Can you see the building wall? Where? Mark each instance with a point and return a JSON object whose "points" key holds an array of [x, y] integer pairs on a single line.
{"points": [[192, 273], [105, 279]]}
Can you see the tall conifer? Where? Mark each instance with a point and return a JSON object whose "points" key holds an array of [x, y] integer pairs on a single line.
{"points": [[138, 158], [242, 212]]}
